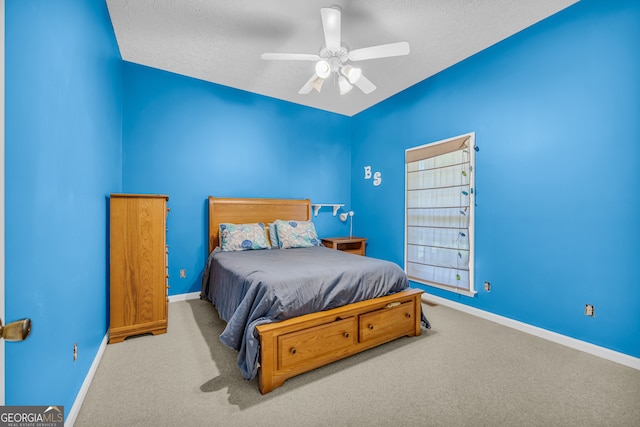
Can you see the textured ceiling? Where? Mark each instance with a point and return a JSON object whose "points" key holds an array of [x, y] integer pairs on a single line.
{"points": [[221, 40]]}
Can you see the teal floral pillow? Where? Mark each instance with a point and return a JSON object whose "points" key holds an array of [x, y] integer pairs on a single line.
{"points": [[243, 237], [273, 235], [296, 234]]}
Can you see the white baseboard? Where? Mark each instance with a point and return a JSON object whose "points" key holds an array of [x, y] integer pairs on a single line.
{"points": [[75, 409], [184, 297], [605, 353]]}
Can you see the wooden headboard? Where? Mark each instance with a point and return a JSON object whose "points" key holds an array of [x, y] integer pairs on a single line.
{"points": [[245, 211]]}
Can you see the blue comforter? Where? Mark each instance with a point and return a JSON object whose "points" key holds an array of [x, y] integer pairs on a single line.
{"points": [[250, 288]]}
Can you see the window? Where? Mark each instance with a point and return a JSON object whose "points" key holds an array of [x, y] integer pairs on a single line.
{"points": [[439, 214]]}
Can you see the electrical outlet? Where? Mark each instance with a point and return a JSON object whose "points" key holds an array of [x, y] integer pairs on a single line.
{"points": [[75, 351], [183, 273], [487, 286], [589, 310]]}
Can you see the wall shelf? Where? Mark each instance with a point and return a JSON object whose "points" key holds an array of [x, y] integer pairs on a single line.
{"points": [[317, 206]]}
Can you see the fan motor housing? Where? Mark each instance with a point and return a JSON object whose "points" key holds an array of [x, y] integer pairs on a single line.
{"points": [[341, 54]]}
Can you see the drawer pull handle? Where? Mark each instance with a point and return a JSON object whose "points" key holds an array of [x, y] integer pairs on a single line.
{"points": [[293, 350], [346, 334], [408, 315], [371, 327]]}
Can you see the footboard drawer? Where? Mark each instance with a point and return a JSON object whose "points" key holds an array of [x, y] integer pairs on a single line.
{"points": [[387, 323], [311, 345]]}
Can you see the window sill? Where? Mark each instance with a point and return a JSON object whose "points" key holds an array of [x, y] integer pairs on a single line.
{"points": [[468, 293]]}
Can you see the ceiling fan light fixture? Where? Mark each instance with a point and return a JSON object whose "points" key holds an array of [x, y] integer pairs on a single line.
{"points": [[334, 54], [323, 69], [317, 84], [352, 73], [344, 85]]}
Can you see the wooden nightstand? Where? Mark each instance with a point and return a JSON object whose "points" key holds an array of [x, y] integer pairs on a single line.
{"points": [[354, 245]]}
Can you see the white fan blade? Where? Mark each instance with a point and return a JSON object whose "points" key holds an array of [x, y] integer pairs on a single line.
{"points": [[381, 51], [308, 85], [290, 56], [331, 26], [365, 85]]}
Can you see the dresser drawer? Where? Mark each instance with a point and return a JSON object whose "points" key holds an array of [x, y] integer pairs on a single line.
{"points": [[387, 323], [312, 344]]}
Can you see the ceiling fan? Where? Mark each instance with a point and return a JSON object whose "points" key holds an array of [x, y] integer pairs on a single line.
{"points": [[334, 57]]}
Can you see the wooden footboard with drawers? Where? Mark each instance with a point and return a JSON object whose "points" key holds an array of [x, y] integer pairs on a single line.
{"points": [[298, 345]]}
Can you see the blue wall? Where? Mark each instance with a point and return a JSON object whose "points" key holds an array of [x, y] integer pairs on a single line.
{"points": [[555, 110], [556, 113], [63, 106], [191, 139]]}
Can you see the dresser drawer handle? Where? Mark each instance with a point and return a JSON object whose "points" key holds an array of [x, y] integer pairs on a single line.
{"points": [[293, 350], [371, 327], [346, 334], [408, 315]]}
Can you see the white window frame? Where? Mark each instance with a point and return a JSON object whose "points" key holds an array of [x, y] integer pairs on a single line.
{"points": [[472, 196]]}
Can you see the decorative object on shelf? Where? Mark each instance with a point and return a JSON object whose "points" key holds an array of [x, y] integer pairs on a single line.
{"points": [[343, 218], [335, 206]]}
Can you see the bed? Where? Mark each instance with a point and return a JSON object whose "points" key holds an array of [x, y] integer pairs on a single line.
{"points": [[289, 311]]}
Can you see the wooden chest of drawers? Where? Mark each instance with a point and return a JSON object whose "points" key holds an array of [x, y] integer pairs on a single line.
{"points": [[138, 265]]}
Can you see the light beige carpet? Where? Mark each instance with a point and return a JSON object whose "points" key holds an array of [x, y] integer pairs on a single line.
{"points": [[465, 371]]}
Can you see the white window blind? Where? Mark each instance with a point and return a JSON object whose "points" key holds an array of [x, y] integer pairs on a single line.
{"points": [[440, 214]]}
